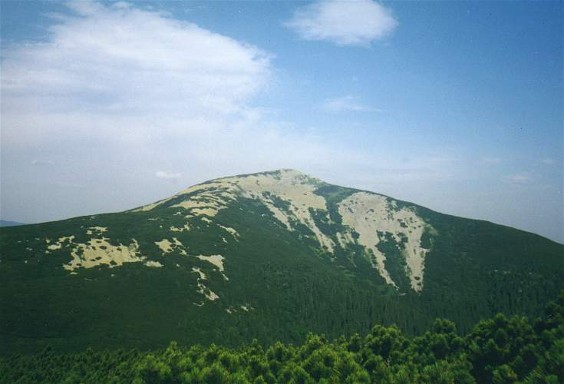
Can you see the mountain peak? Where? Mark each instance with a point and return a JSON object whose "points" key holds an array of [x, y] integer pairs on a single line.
{"points": [[335, 218], [227, 188], [284, 175]]}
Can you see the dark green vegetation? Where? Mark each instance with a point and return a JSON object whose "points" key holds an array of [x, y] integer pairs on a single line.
{"points": [[497, 350], [277, 284]]}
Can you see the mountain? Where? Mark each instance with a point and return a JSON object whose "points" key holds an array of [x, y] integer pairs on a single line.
{"points": [[270, 256], [6, 223]]}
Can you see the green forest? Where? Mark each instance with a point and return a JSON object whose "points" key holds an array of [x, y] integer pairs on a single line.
{"points": [[497, 350]]}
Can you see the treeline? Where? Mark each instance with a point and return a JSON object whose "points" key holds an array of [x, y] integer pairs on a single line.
{"points": [[497, 350]]}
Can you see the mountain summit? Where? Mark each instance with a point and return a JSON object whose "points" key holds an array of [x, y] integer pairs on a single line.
{"points": [[297, 201], [269, 255]]}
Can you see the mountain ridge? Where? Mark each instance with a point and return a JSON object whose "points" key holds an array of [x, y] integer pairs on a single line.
{"points": [[400, 201], [270, 255]]}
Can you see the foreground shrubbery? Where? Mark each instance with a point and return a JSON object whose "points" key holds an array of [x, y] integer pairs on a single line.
{"points": [[497, 350]]}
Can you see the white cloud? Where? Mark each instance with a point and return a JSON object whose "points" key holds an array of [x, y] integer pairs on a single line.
{"points": [[353, 23], [117, 68], [520, 178], [42, 163], [168, 175], [346, 104]]}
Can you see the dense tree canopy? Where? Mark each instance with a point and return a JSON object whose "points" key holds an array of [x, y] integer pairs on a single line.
{"points": [[497, 350]]}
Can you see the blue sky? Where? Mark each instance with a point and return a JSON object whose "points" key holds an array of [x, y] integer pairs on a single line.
{"points": [[457, 106]]}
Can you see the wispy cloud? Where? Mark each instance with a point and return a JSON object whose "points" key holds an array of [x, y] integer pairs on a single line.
{"points": [[489, 161], [352, 23], [168, 175], [107, 69], [42, 163], [520, 178], [548, 161], [346, 104]]}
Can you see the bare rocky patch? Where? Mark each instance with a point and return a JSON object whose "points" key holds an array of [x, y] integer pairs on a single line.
{"points": [[367, 214], [202, 289], [100, 251]]}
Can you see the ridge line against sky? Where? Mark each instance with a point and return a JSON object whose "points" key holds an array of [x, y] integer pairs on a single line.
{"points": [[456, 106]]}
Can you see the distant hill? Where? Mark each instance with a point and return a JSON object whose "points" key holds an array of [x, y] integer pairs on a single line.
{"points": [[6, 223], [270, 256]]}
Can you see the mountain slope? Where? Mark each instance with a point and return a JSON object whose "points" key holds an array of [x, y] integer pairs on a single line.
{"points": [[270, 256]]}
